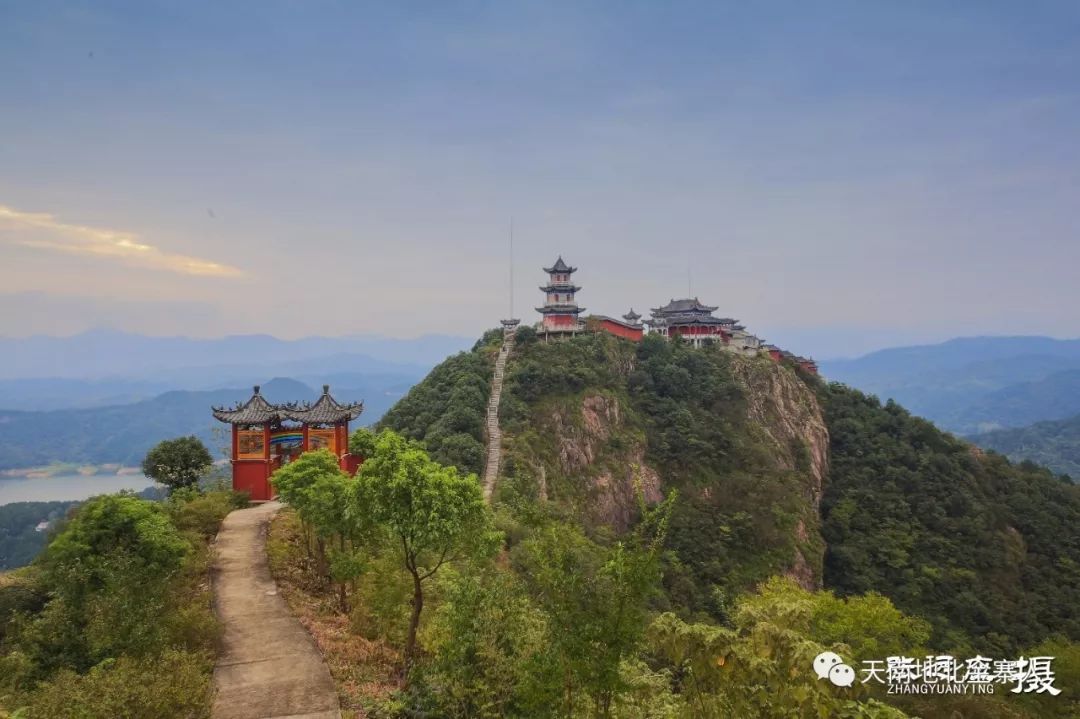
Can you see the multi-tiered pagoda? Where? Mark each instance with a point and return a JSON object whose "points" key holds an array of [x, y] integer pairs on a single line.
{"points": [[265, 436], [692, 321], [560, 311]]}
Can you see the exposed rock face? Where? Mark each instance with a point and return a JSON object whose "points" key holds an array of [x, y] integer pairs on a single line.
{"points": [[613, 487], [750, 481], [787, 411]]}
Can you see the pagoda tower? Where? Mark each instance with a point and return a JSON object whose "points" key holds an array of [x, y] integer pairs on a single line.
{"points": [[560, 311]]}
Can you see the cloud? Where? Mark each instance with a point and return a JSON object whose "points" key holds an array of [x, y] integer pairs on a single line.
{"points": [[43, 231]]}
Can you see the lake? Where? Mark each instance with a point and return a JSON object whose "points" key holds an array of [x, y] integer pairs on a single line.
{"points": [[67, 487]]}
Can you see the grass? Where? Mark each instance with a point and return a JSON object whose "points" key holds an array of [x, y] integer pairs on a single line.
{"points": [[365, 671]]}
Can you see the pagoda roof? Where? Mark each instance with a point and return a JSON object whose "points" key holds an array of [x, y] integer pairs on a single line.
{"points": [[560, 266], [255, 411], [684, 305], [631, 315], [560, 287], [325, 410]]}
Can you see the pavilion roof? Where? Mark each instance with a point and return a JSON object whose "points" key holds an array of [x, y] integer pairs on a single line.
{"points": [[631, 315], [684, 305], [560, 266], [690, 318], [255, 411], [325, 410]]}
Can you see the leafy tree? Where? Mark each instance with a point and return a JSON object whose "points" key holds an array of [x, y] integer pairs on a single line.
{"points": [[487, 639], [430, 513], [107, 571], [362, 442], [317, 488], [596, 600], [177, 463], [868, 624]]}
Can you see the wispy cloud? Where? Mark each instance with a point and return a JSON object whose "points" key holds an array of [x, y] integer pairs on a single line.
{"points": [[44, 231]]}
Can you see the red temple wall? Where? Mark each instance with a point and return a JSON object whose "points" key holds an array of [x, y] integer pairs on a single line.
{"points": [[252, 476], [559, 320], [634, 334]]}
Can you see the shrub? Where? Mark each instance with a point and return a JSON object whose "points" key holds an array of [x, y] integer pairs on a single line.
{"points": [[174, 685]]}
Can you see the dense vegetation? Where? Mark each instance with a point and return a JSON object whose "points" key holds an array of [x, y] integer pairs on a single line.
{"points": [[932, 546], [987, 551], [114, 618], [1054, 444], [681, 412], [446, 411]]}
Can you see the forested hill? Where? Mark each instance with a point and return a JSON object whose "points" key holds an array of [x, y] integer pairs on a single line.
{"points": [[775, 472]]}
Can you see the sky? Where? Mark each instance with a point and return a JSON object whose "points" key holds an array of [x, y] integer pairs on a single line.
{"points": [[840, 176]]}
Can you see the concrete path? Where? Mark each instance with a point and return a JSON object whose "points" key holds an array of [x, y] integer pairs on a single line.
{"points": [[494, 434], [269, 666]]}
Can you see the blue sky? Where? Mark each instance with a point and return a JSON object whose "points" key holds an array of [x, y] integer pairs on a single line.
{"points": [[840, 176]]}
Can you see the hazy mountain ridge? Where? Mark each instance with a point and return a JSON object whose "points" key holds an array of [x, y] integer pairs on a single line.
{"points": [[967, 385], [99, 354], [1054, 444]]}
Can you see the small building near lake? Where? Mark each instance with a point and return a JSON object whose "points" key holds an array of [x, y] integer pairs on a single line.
{"points": [[266, 436]]}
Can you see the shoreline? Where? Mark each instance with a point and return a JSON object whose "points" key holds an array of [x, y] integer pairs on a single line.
{"points": [[69, 469]]}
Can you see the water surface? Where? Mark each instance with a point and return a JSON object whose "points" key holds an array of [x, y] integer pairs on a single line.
{"points": [[67, 487]]}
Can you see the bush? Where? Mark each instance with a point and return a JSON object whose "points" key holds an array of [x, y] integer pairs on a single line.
{"points": [[200, 513], [20, 597], [174, 685]]}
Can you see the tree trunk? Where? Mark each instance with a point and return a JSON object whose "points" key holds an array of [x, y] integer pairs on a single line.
{"points": [[341, 589], [323, 563], [414, 621]]}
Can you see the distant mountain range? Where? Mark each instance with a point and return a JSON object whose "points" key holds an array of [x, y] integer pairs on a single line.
{"points": [[973, 385], [108, 354], [1054, 444]]}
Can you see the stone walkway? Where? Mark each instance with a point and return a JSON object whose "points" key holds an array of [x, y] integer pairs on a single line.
{"points": [[494, 434], [269, 666]]}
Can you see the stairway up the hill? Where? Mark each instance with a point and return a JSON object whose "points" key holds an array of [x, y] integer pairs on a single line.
{"points": [[494, 434]]}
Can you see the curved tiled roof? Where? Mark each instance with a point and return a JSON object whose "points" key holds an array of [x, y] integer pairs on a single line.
{"points": [[685, 305], [560, 266], [325, 410], [255, 411]]}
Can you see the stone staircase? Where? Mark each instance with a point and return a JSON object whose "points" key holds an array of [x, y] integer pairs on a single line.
{"points": [[494, 434]]}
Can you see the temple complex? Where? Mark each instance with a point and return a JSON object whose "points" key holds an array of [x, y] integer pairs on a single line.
{"points": [[692, 321], [265, 436], [686, 319]]}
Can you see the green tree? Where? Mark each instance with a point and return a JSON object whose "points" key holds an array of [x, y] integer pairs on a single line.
{"points": [[596, 600], [757, 668], [486, 637], [108, 573], [431, 514], [178, 463], [362, 442], [316, 487]]}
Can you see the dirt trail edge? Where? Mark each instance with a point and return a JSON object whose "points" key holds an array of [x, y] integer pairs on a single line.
{"points": [[269, 665]]}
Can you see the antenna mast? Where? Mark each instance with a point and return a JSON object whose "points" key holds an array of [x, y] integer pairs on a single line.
{"points": [[511, 267]]}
